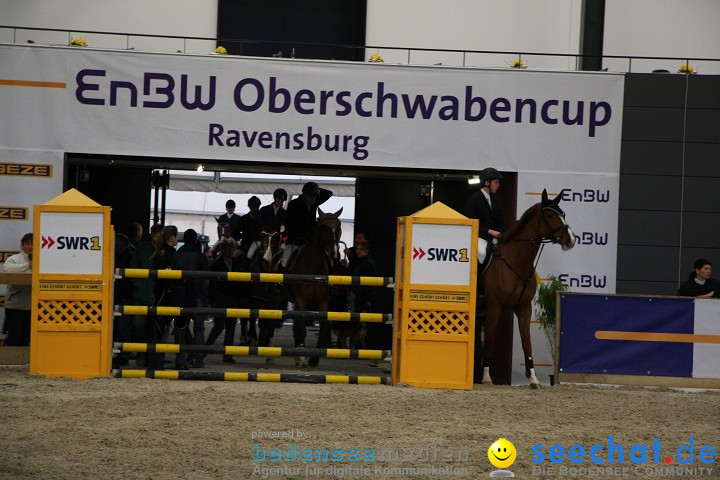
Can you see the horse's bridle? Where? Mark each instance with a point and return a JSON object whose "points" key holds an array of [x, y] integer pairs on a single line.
{"points": [[334, 230], [551, 237], [542, 240]]}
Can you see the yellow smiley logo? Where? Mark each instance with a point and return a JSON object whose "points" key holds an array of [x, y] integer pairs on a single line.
{"points": [[502, 453]]}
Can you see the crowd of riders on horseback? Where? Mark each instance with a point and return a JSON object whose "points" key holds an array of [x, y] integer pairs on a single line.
{"points": [[262, 240]]}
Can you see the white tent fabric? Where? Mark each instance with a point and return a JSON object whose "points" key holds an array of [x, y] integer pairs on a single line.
{"points": [[255, 184]]}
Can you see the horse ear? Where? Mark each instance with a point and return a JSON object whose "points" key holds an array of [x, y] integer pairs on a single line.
{"points": [[320, 211], [557, 199], [544, 198], [337, 214]]}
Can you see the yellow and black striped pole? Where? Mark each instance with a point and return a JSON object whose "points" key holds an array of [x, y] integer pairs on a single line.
{"points": [[255, 277], [253, 377], [253, 313], [253, 351]]}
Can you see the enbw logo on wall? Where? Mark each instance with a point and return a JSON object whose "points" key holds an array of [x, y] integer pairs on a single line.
{"points": [[13, 213], [5, 254], [587, 195], [26, 169], [70, 243], [441, 254]]}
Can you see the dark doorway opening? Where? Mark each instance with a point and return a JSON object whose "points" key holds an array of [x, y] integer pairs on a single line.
{"points": [[286, 28]]}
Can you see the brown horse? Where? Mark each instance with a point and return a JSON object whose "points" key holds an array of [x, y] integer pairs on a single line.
{"points": [[315, 258], [268, 295], [509, 281], [270, 251]]}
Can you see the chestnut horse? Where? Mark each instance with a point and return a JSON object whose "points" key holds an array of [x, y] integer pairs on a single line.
{"points": [[509, 281], [267, 260], [315, 258]]}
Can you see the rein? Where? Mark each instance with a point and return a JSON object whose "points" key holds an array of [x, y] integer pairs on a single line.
{"points": [[542, 241]]}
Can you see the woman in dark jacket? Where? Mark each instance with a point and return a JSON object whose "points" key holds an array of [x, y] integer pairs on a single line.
{"points": [[699, 283], [167, 293]]}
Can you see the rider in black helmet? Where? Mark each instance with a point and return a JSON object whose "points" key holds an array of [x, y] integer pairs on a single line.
{"points": [[301, 216], [485, 206], [231, 219], [250, 224], [272, 217]]}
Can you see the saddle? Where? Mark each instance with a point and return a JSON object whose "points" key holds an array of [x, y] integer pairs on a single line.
{"points": [[294, 256]]}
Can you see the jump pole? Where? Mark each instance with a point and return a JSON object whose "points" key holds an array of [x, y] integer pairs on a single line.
{"points": [[254, 351], [253, 313], [253, 377]]}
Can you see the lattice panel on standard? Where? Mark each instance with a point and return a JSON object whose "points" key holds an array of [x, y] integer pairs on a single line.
{"points": [[448, 323], [55, 312]]}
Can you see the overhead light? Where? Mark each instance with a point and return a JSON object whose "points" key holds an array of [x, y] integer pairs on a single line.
{"points": [[474, 179], [200, 168]]}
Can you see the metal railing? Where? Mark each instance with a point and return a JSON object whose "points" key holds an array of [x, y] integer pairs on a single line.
{"points": [[390, 54]]}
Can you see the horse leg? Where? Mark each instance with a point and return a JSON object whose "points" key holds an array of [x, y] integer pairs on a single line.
{"points": [[492, 317], [324, 338], [267, 328], [524, 312], [299, 333]]}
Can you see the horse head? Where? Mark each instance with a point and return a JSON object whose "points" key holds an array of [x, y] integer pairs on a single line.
{"points": [[332, 222], [554, 227], [223, 228], [269, 245]]}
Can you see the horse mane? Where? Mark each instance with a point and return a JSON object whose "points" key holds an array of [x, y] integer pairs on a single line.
{"points": [[519, 226]]}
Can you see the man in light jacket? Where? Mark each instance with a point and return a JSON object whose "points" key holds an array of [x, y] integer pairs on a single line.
{"points": [[17, 297]]}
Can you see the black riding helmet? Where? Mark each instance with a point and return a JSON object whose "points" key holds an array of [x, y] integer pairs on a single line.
{"points": [[311, 188], [280, 193], [490, 174], [254, 202]]}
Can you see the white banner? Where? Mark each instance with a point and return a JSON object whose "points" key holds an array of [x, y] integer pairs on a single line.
{"points": [[329, 113], [590, 203], [27, 177]]}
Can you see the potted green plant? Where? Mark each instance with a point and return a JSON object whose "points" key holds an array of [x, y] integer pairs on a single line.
{"points": [[545, 303]]}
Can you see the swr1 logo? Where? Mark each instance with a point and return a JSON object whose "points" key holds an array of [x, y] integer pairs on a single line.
{"points": [[71, 243], [13, 213], [442, 254]]}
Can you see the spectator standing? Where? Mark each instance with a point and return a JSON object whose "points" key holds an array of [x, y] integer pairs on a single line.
{"points": [[143, 289], [190, 257], [224, 294], [122, 295], [168, 293], [351, 253], [18, 297]]}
